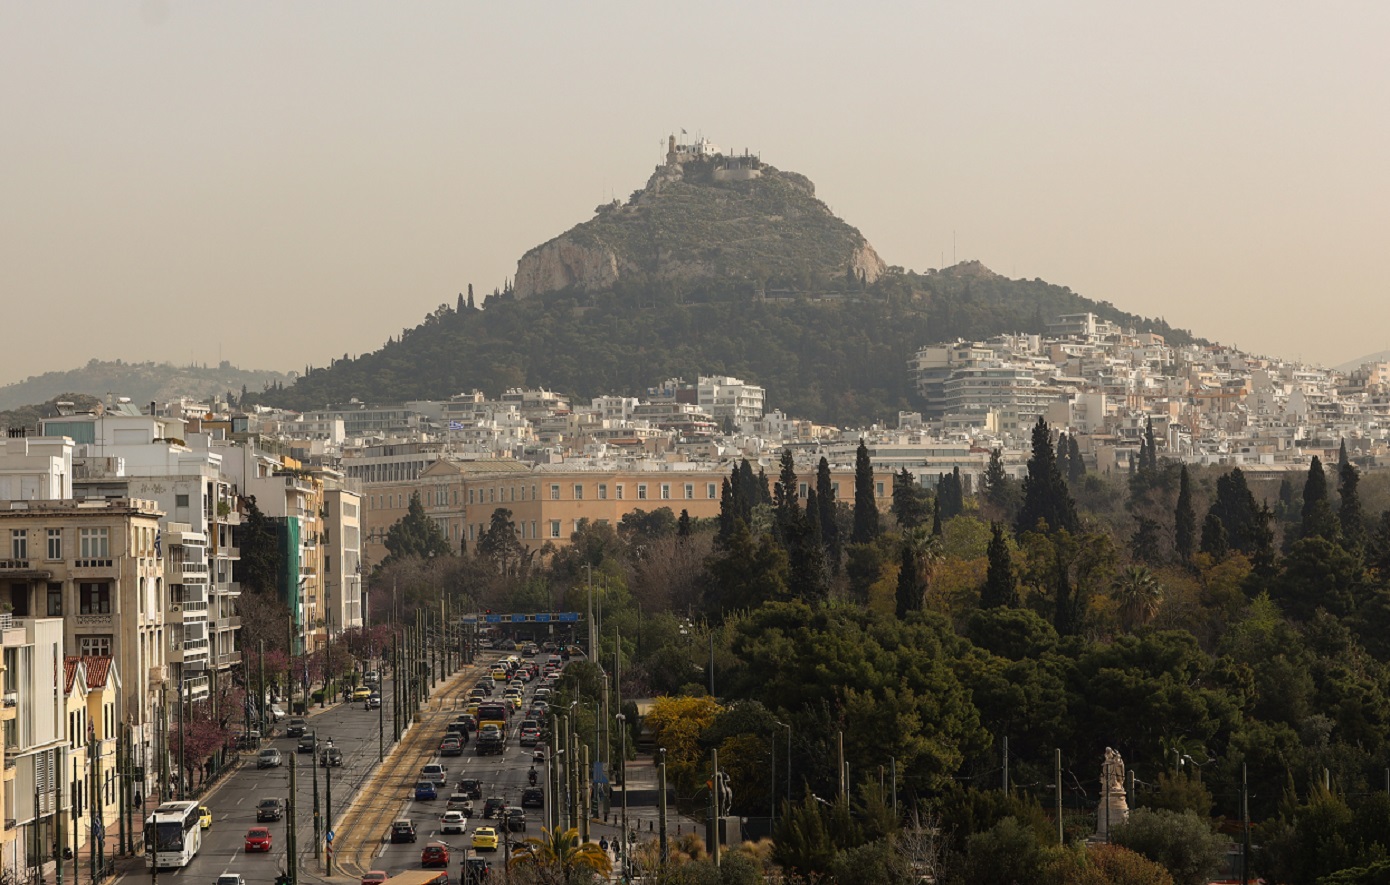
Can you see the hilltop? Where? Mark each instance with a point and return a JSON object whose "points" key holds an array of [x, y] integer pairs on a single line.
{"points": [[705, 221]]}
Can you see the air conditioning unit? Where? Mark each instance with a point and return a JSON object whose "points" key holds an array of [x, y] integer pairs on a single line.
{"points": [[157, 675]]}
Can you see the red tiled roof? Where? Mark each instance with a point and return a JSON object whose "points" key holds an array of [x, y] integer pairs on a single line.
{"points": [[69, 673], [98, 670]]}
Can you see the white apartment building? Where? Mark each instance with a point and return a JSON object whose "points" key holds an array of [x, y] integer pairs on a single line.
{"points": [[730, 398], [35, 740], [345, 604]]}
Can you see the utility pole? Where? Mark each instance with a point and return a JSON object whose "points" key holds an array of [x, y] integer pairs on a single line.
{"points": [[661, 809], [840, 755], [1057, 772], [292, 827], [1245, 824], [395, 688], [318, 819], [328, 804], [260, 699], [58, 818], [183, 761], [714, 810], [584, 810]]}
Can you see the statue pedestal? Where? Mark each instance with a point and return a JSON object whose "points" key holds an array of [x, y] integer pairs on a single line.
{"points": [[1112, 811]]}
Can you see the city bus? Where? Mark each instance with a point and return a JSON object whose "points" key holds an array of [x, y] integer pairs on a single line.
{"points": [[493, 713], [175, 832]]}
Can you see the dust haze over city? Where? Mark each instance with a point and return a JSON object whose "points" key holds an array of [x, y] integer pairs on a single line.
{"points": [[277, 185]]}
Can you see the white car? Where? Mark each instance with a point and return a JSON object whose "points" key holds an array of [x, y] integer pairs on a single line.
{"points": [[453, 822]]}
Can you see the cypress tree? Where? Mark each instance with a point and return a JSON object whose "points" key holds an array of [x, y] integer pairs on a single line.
{"points": [[829, 525], [471, 305], [1150, 447], [1063, 456], [1318, 519], [1045, 494], [865, 508], [1001, 583], [1240, 517], [1349, 514], [763, 489], [908, 597], [907, 501], [1075, 465], [683, 524], [785, 499], [936, 528], [1314, 487], [459, 308], [810, 578], [1184, 519], [1214, 540], [728, 512], [995, 477]]}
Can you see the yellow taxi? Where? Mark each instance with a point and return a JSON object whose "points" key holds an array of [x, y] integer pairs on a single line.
{"points": [[499, 675], [361, 694], [484, 839], [514, 701], [204, 817], [472, 708]]}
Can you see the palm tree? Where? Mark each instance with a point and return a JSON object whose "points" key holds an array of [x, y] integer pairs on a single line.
{"points": [[559, 858], [1138, 594]]}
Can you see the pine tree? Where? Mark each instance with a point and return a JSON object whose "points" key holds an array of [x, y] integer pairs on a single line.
{"points": [[1350, 514], [1045, 494], [471, 305], [865, 508], [1318, 520], [1001, 582], [415, 535], [909, 504], [1184, 519], [908, 597]]}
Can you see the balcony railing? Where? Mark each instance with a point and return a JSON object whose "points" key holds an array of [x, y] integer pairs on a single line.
{"points": [[229, 660], [14, 565], [92, 563], [95, 620]]}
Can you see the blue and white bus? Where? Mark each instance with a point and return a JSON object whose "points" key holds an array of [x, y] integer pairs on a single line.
{"points": [[176, 834]]}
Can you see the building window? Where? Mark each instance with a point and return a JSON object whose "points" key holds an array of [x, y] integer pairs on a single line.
{"points": [[578, 492], [180, 500], [95, 645], [470, 533], [94, 598], [835, 487], [641, 491], [55, 600], [878, 489], [618, 491], [801, 490], [19, 544], [470, 496], [55, 543], [554, 491], [492, 496], [533, 528], [689, 490], [665, 491], [603, 491], [555, 528], [711, 491]]}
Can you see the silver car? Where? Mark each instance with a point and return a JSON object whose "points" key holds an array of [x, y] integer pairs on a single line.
{"points": [[268, 758]]}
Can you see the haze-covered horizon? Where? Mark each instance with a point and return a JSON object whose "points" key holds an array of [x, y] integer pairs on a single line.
{"points": [[282, 184]]}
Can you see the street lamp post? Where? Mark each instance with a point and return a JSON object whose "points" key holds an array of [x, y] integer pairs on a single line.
{"points": [[622, 767]]}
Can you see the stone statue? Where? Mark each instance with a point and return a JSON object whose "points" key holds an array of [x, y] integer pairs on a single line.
{"points": [[1112, 772], [1113, 808]]}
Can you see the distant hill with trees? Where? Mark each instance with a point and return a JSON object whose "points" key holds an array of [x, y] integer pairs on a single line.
{"points": [[141, 382], [831, 354]]}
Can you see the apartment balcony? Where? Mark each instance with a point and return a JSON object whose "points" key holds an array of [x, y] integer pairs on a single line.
{"points": [[231, 659], [230, 553], [98, 619], [22, 570]]}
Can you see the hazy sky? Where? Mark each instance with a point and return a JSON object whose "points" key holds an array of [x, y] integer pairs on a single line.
{"points": [[278, 183]]}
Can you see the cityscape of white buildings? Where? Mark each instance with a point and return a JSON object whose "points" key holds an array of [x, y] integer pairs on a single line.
{"points": [[121, 525]]}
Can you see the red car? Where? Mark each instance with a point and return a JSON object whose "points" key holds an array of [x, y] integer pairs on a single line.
{"points": [[258, 839], [435, 856]]}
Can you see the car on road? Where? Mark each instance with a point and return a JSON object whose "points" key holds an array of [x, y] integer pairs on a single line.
{"points": [[204, 817], [230, 879], [276, 712], [435, 856], [435, 773], [331, 756], [451, 746], [308, 742], [373, 701], [530, 735], [508, 645], [371, 677], [295, 727], [403, 830], [361, 693], [269, 809], [531, 650], [515, 820], [533, 797], [471, 788], [484, 839], [459, 802], [268, 758], [493, 805], [248, 740], [258, 839], [425, 792], [375, 877], [453, 822]]}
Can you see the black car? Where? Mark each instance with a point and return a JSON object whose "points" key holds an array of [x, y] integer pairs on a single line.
{"points": [[472, 788], [308, 742], [331, 756], [533, 797], [515, 820], [494, 806], [269, 810], [403, 831], [295, 727]]}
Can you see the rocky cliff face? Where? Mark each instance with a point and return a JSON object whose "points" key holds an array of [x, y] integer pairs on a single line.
{"points": [[711, 223]]}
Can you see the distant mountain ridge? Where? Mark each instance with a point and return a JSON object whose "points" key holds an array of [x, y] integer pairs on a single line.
{"points": [[141, 382]]}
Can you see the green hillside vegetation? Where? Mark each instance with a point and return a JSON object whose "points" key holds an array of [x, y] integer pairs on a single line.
{"points": [[1256, 649], [142, 382], [27, 417], [839, 356]]}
